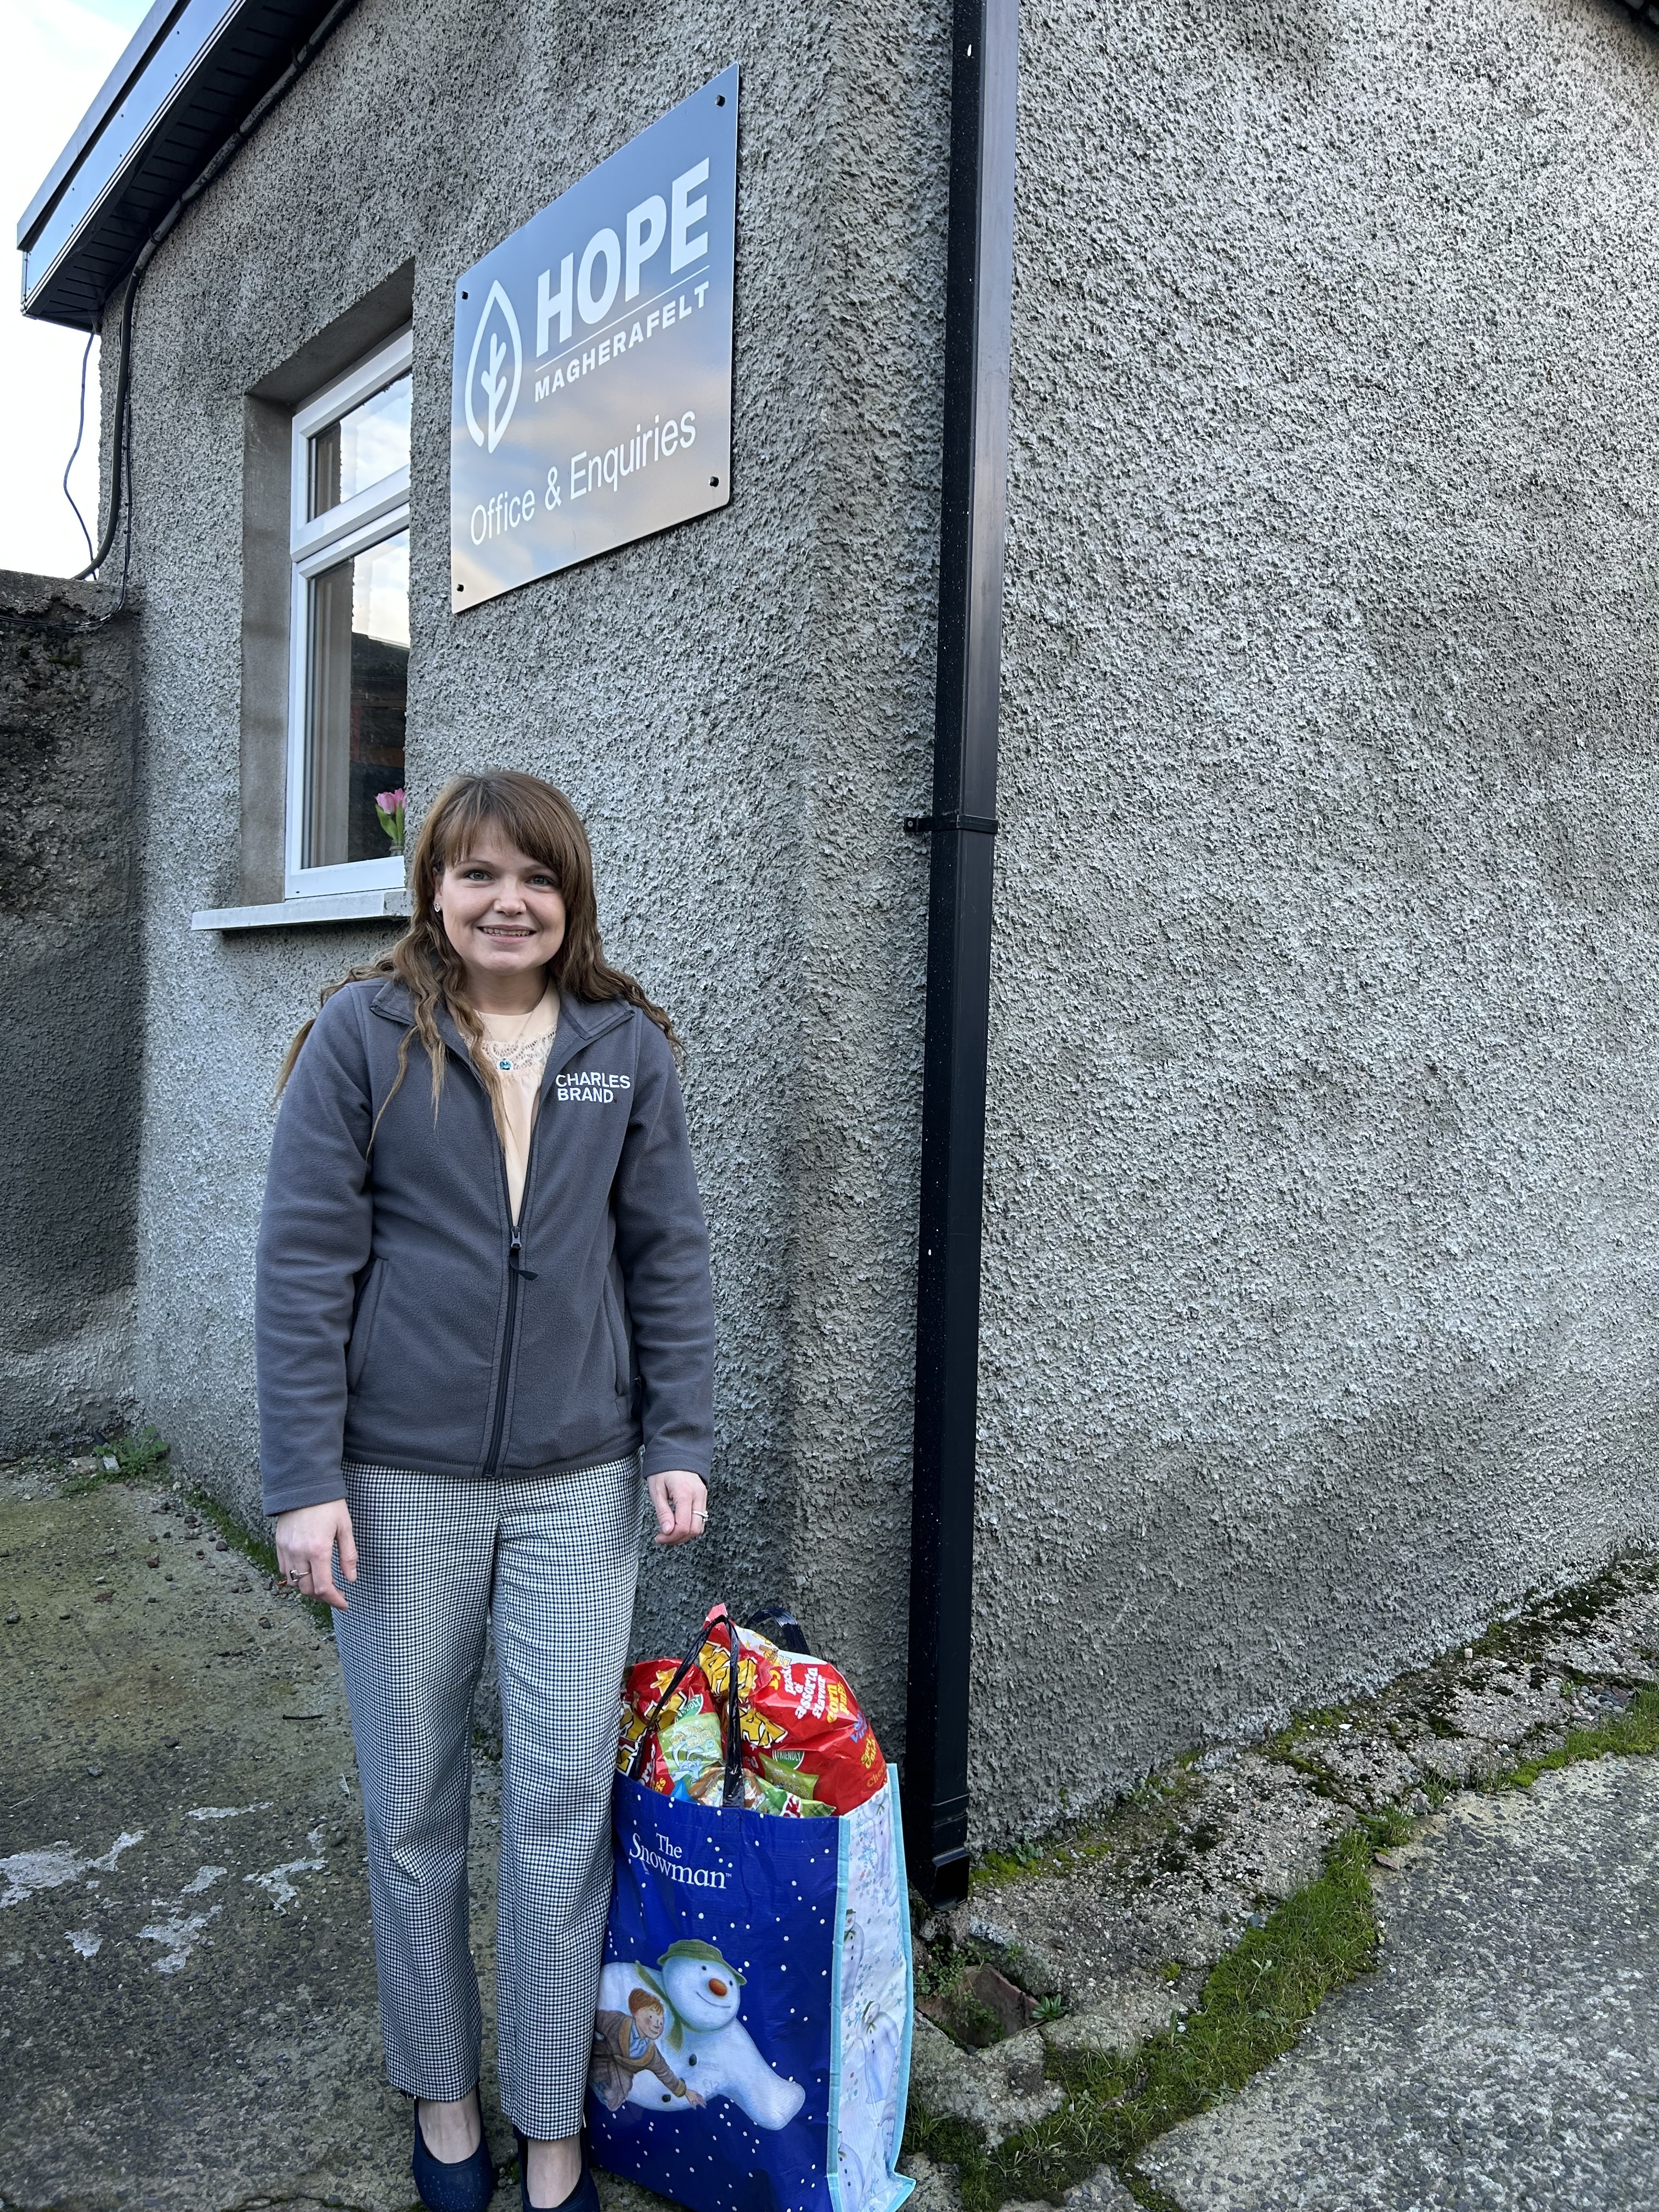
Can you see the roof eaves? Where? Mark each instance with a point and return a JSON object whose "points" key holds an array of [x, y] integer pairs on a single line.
{"points": [[191, 77]]}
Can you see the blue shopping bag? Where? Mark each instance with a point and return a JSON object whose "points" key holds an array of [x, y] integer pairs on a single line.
{"points": [[752, 2048]]}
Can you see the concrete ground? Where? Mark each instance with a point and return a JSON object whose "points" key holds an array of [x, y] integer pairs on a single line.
{"points": [[187, 2015], [1501, 2059], [187, 2009]]}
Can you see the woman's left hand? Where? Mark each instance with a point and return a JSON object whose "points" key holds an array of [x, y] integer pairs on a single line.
{"points": [[682, 1506]]}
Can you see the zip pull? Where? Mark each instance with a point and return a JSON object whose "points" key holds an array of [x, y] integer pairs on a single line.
{"points": [[524, 1274]]}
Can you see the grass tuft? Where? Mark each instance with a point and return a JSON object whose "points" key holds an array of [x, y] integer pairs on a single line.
{"points": [[139, 1457]]}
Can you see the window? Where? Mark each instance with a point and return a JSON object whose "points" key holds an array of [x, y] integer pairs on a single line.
{"points": [[348, 689]]}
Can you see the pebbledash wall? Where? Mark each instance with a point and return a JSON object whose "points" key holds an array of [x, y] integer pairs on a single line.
{"points": [[741, 708], [1323, 1207], [1321, 1212], [71, 1035]]}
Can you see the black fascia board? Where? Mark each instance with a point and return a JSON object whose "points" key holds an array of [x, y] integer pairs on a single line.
{"points": [[138, 50], [193, 71]]}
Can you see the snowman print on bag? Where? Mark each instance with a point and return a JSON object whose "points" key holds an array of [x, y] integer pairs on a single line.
{"points": [[703, 2043]]}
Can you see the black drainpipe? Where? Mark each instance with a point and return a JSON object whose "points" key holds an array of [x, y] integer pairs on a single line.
{"points": [[978, 320]]}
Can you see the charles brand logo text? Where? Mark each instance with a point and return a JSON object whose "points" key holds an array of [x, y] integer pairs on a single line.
{"points": [[590, 1085]]}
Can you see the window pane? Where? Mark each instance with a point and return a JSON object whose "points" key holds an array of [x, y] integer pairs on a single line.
{"points": [[355, 707], [361, 448]]}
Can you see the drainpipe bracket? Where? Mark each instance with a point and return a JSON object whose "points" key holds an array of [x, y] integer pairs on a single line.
{"points": [[924, 825]]}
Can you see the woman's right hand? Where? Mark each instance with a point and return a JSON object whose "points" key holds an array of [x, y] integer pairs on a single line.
{"points": [[305, 1541]]}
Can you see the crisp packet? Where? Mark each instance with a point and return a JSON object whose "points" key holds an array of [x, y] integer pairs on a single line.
{"points": [[690, 1743], [643, 1692], [799, 1714], [788, 1770], [758, 1796]]}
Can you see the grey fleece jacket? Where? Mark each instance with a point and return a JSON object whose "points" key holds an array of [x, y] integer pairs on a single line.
{"points": [[400, 1321]]}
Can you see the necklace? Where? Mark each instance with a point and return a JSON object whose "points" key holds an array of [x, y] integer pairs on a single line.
{"points": [[510, 1057], [519, 1060]]}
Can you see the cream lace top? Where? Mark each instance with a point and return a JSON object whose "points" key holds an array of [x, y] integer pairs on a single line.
{"points": [[518, 1047]]}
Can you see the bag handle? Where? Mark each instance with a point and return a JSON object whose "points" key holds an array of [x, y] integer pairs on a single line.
{"points": [[643, 1746], [732, 1787]]}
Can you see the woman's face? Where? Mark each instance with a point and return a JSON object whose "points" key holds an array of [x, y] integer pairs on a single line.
{"points": [[502, 911]]}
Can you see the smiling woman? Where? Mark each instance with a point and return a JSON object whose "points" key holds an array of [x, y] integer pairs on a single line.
{"points": [[472, 1342]]}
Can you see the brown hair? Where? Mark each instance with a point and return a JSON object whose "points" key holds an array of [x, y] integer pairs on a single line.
{"points": [[639, 1999], [542, 823]]}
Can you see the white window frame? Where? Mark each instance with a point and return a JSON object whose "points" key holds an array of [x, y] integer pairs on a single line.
{"points": [[350, 528]]}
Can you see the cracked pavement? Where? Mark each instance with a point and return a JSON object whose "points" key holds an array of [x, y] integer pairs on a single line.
{"points": [[1495, 2063], [1500, 2059]]}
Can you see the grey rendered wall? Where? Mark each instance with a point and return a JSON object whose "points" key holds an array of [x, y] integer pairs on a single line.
{"points": [[741, 708], [70, 1035], [1323, 1212]]}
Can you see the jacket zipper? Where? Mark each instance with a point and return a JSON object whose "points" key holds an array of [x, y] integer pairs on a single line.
{"points": [[515, 1273], [514, 1277], [506, 1362]]}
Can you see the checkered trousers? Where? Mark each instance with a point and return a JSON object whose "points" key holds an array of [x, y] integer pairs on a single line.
{"points": [[551, 1560]]}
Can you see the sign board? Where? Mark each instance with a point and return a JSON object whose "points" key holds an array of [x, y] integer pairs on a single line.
{"points": [[592, 401]]}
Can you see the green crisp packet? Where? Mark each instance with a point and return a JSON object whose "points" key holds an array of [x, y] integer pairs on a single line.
{"points": [[758, 1796], [784, 1768], [690, 1743]]}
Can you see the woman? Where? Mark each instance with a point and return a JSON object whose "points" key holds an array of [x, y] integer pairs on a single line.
{"points": [[483, 1311]]}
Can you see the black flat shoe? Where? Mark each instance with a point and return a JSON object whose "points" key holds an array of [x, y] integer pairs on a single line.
{"points": [[464, 2185], [584, 2198]]}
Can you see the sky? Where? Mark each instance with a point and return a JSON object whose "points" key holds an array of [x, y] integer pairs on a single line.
{"points": [[58, 53]]}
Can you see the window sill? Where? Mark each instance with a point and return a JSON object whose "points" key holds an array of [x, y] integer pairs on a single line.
{"points": [[288, 914]]}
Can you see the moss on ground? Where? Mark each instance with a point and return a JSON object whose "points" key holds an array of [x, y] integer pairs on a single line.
{"points": [[1629, 1734], [1254, 2006], [1142, 1813], [259, 1551], [143, 1456]]}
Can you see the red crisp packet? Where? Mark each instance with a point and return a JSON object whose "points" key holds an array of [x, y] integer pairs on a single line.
{"points": [[643, 1692], [802, 1728]]}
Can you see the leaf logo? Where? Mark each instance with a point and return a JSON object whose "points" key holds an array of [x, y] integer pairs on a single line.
{"points": [[490, 377]]}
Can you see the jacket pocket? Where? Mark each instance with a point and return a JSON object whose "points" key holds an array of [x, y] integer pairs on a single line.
{"points": [[363, 1327], [619, 1346]]}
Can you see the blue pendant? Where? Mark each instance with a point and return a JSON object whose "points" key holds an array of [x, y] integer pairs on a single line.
{"points": [[506, 1066]]}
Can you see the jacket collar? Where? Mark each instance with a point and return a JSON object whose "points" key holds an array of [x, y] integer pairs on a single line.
{"points": [[581, 1022]]}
